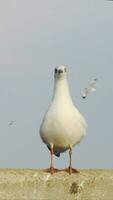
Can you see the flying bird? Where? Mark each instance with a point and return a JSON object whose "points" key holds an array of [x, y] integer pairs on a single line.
{"points": [[11, 123], [63, 126], [91, 88]]}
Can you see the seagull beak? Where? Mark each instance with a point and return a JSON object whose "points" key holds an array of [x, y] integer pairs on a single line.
{"points": [[60, 71]]}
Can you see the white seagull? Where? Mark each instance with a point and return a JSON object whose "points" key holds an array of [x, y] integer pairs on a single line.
{"points": [[91, 88], [63, 126]]}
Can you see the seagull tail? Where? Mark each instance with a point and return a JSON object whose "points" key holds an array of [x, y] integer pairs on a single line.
{"points": [[57, 154]]}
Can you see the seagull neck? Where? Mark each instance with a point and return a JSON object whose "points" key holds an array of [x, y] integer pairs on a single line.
{"points": [[61, 91]]}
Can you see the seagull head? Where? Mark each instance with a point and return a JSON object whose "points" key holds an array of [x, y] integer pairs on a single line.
{"points": [[60, 72]]}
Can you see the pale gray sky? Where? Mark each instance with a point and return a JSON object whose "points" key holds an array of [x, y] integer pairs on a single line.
{"points": [[35, 36]]}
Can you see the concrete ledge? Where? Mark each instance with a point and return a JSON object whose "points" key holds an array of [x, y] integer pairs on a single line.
{"points": [[28, 184]]}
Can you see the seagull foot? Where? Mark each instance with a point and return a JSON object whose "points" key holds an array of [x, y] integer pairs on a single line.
{"points": [[52, 170], [71, 170]]}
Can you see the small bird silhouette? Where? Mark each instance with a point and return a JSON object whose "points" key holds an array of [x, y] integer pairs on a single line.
{"points": [[90, 88], [11, 123]]}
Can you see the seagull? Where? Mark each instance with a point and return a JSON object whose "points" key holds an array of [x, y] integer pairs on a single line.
{"points": [[11, 123], [90, 88], [63, 126]]}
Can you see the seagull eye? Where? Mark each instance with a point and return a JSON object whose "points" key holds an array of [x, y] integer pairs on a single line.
{"points": [[56, 70]]}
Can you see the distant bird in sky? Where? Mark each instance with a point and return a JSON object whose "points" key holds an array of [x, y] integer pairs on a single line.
{"points": [[11, 123], [91, 87], [63, 126]]}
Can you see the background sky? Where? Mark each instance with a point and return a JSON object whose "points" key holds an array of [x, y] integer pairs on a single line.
{"points": [[36, 36]]}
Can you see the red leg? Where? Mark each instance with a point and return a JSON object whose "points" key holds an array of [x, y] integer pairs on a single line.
{"points": [[51, 165], [70, 161], [70, 170], [52, 169]]}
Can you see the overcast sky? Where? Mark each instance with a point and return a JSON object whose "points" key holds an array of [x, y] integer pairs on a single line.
{"points": [[35, 36]]}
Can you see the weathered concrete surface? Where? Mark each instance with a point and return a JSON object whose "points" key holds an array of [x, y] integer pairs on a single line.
{"points": [[26, 184]]}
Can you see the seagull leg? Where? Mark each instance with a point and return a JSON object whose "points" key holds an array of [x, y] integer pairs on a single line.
{"points": [[70, 160], [52, 169], [70, 169], [51, 165]]}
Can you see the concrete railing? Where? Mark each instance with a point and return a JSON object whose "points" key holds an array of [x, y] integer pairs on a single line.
{"points": [[26, 184]]}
